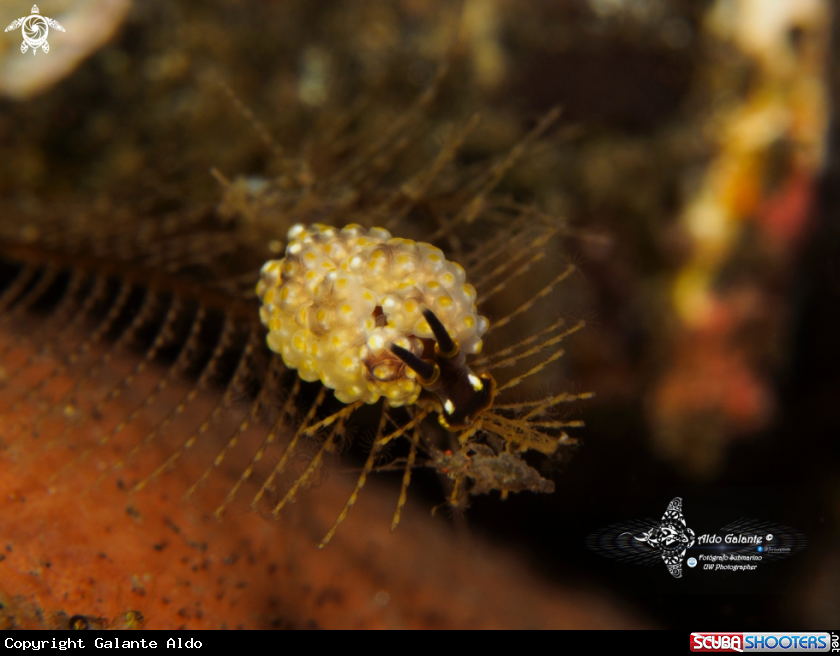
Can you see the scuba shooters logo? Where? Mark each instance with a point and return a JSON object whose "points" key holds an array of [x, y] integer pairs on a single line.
{"points": [[740, 546], [799, 642]]}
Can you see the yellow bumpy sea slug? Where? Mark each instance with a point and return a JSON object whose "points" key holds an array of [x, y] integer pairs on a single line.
{"points": [[371, 315]]}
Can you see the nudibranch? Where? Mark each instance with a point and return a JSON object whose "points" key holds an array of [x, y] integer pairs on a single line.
{"points": [[372, 316]]}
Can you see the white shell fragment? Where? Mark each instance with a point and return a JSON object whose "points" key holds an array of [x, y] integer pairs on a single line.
{"points": [[339, 298]]}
